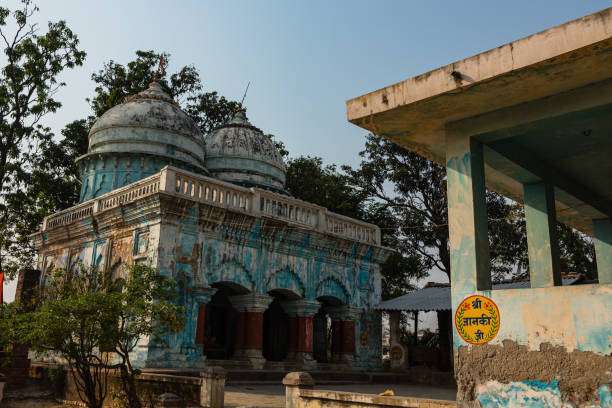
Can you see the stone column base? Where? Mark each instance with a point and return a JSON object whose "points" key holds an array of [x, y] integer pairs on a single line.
{"points": [[305, 359], [256, 359]]}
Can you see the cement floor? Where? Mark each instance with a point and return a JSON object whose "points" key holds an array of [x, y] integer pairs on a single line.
{"points": [[274, 395]]}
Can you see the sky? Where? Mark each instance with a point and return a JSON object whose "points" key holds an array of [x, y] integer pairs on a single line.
{"points": [[304, 59]]}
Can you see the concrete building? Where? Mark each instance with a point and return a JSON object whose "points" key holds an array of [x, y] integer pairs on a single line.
{"points": [[260, 273], [532, 120]]}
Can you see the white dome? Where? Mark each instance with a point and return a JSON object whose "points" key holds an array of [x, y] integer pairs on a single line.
{"points": [[240, 153]]}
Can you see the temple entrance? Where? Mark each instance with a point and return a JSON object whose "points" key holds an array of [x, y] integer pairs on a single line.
{"points": [[275, 330], [220, 331], [322, 331], [321, 336]]}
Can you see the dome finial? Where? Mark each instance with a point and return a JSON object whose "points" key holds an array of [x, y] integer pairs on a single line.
{"points": [[161, 69]]}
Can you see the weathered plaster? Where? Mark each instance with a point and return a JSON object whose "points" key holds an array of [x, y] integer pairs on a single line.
{"points": [[509, 375], [200, 244]]}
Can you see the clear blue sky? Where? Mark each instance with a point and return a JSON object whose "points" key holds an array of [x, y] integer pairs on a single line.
{"points": [[304, 58]]}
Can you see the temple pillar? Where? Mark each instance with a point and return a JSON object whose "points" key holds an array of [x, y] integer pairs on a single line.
{"points": [[249, 329], [292, 338], [197, 318], [301, 334], [343, 333]]}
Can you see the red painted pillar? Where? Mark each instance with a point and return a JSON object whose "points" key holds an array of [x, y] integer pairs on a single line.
{"points": [[336, 346], [253, 336], [305, 334], [292, 337], [239, 339], [201, 325], [249, 329], [348, 338]]}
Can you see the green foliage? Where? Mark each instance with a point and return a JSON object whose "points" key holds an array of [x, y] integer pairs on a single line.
{"points": [[577, 252], [28, 82], [115, 82], [51, 182], [414, 190], [307, 179], [93, 320]]}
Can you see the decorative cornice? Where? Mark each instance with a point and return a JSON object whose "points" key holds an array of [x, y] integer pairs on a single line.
{"points": [[343, 313], [301, 307], [251, 302], [173, 192]]}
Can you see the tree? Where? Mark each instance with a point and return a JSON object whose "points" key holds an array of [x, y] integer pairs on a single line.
{"points": [[51, 182], [28, 82], [414, 188], [115, 82], [93, 320], [309, 180]]}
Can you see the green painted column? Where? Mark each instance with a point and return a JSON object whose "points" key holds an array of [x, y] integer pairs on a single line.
{"points": [[467, 215], [542, 244], [602, 230]]}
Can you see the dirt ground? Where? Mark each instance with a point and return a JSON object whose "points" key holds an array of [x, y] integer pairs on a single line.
{"points": [[29, 397]]}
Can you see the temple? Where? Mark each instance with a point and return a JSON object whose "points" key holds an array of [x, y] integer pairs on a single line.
{"points": [[264, 277], [532, 120]]}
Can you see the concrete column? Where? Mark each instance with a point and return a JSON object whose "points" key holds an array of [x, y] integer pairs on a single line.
{"points": [[398, 360], [250, 309], [467, 215], [294, 382], [301, 334], [602, 230], [542, 244], [212, 390]]}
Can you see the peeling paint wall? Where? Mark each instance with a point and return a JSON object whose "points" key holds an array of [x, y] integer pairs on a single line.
{"points": [[199, 245]]}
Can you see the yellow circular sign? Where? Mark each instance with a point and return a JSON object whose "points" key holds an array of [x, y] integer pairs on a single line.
{"points": [[396, 353], [477, 319], [363, 339]]}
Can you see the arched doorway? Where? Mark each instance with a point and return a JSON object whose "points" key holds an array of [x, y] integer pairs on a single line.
{"points": [[321, 347], [220, 329], [276, 326]]}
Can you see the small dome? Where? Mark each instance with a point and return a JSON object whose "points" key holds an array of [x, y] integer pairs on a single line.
{"points": [[149, 122], [240, 153], [136, 139]]}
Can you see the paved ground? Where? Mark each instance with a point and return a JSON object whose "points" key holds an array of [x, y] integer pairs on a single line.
{"points": [[274, 395]]}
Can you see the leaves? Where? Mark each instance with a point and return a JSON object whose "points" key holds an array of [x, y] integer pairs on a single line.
{"points": [[28, 83], [94, 319], [50, 182]]}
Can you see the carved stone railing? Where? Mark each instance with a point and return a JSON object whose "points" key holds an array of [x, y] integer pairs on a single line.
{"points": [[257, 202], [288, 208], [351, 228], [129, 193], [205, 189], [69, 215]]}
